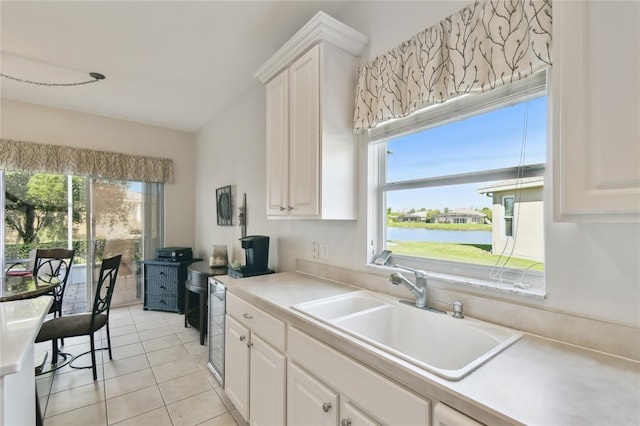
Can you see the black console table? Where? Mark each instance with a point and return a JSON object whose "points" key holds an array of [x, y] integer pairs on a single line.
{"points": [[197, 282], [164, 284]]}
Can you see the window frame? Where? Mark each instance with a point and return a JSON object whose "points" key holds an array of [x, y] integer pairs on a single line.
{"points": [[462, 107], [505, 217]]}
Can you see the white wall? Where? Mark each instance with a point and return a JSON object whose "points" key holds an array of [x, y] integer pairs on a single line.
{"points": [[22, 121], [591, 270]]}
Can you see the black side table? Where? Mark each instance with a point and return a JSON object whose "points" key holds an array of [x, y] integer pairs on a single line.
{"points": [[197, 282]]}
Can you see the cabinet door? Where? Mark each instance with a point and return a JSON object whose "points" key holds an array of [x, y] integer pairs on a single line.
{"points": [[309, 402], [278, 145], [304, 134], [268, 384], [352, 416], [236, 355], [596, 105]]}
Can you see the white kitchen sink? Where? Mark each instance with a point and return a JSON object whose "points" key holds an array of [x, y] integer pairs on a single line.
{"points": [[439, 343]]}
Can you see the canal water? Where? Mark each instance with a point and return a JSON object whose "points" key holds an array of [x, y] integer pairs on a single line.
{"points": [[439, 235]]}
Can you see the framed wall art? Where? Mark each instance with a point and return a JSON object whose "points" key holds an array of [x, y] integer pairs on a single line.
{"points": [[224, 206]]}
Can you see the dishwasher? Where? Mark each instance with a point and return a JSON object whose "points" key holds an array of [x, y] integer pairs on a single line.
{"points": [[217, 310]]}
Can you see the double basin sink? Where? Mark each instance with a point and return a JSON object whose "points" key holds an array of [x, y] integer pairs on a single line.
{"points": [[448, 347]]}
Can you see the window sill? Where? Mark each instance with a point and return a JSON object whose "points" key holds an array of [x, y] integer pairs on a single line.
{"points": [[462, 281]]}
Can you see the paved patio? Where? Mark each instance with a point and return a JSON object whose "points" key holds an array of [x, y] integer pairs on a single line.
{"points": [[75, 295]]}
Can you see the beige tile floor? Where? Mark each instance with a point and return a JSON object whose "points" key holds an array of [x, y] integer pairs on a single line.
{"points": [[158, 376]]}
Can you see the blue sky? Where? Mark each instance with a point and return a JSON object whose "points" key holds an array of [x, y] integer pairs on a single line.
{"points": [[489, 141]]}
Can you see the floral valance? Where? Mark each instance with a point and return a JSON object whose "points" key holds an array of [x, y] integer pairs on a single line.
{"points": [[483, 46], [33, 157]]}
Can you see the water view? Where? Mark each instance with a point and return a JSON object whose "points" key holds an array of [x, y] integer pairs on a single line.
{"points": [[438, 235]]}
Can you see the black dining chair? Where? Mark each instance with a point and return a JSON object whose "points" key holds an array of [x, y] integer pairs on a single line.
{"points": [[86, 324], [54, 265]]}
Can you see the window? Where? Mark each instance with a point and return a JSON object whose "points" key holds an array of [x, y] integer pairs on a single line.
{"points": [[474, 168], [507, 204]]}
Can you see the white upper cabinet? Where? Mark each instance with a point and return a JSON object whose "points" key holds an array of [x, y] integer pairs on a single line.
{"points": [[596, 111], [311, 147]]}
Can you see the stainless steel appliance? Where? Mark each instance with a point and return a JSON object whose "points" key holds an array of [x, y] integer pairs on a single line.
{"points": [[217, 310]]}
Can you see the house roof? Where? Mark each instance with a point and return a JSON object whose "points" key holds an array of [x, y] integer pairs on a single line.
{"points": [[421, 214], [511, 184], [463, 212]]}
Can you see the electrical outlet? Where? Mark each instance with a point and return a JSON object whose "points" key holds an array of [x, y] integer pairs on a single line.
{"points": [[316, 249], [324, 251]]}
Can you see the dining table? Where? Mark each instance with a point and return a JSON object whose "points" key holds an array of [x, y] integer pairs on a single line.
{"points": [[25, 287]]}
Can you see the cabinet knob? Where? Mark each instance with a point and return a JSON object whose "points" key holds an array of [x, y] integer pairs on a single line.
{"points": [[345, 422], [242, 338], [289, 208], [249, 344], [282, 209], [326, 407]]}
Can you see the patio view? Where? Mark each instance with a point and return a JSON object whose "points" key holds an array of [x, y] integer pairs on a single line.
{"points": [[97, 218]]}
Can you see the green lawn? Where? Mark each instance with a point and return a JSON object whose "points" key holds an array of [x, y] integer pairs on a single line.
{"points": [[470, 253]]}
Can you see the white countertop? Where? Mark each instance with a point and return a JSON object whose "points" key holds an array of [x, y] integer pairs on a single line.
{"points": [[535, 381], [20, 322]]}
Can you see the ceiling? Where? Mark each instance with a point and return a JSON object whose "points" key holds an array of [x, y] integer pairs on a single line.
{"points": [[174, 64]]}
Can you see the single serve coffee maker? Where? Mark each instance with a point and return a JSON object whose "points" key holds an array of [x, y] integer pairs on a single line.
{"points": [[256, 249]]}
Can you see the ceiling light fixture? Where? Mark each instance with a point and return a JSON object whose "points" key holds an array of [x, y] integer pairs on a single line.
{"points": [[96, 76]]}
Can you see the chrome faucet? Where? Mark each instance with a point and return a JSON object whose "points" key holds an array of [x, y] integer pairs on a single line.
{"points": [[419, 289]]}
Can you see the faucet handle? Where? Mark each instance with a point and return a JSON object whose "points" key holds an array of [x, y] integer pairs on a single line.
{"points": [[417, 272], [457, 308]]}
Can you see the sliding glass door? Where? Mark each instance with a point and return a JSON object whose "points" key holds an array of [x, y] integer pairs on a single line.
{"points": [[99, 218]]}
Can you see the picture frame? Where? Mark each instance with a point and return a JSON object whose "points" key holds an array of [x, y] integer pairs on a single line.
{"points": [[224, 206]]}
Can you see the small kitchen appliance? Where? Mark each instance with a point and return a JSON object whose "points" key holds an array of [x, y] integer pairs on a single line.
{"points": [[174, 254], [256, 249]]}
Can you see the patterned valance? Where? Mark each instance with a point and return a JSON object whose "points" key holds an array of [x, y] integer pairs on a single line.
{"points": [[21, 156], [483, 46]]}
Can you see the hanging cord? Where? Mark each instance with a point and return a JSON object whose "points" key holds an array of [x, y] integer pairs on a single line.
{"points": [[95, 75], [498, 269]]}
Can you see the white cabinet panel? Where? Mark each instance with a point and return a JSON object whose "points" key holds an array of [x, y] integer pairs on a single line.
{"points": [[236, 355], [268, 386], [309, 402], [304, 134], [278, 144], [596, 111]]}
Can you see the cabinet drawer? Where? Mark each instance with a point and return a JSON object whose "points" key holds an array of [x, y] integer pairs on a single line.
{"points": [[359, 386], [162, 287], [161, 273], [162, 302], [264, 325]]}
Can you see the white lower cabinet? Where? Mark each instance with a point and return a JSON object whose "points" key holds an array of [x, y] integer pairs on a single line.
{"points": [[255, 365], [326, 387], [309, 402], [267, 384], [236, 356]]}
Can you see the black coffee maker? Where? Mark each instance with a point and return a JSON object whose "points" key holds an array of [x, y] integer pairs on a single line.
{"points": [[256, 255]]}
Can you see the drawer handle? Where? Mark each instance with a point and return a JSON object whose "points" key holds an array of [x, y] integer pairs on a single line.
{"points": [[161, 273], [242, 338], [163, 287], [345, 422], [282, 209], [162, 301], [326, 407], [247, 316]]}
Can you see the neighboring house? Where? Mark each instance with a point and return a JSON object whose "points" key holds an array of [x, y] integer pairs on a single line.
{"points": [[518, 217], [460, 216], [413, 217]]}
